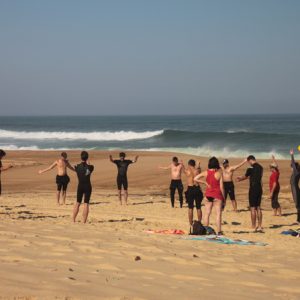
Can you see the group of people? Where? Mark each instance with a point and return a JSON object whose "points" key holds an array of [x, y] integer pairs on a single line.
{"points": [[219, 184], [84, 171], [217, 179]]}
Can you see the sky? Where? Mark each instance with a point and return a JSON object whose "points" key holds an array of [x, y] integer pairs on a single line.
{"points": [[134, 57]]}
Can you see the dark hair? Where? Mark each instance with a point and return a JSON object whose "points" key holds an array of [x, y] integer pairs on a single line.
{"points": [[251, 157], [122, 155], [213, 163], [225, 162], [84, 156], [64, 155], [175, 159], [192, 163], [2, 153]]}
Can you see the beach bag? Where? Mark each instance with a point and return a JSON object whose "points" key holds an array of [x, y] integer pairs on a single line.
{"points": [[197, 229], [209, 230]]}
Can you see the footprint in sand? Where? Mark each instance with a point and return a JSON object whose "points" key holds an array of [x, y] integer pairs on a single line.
{"points": [[186, 277], [143, 271], [252, 284]]}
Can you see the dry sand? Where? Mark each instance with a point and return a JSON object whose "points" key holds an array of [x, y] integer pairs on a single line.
{"points": [[45, 256]]}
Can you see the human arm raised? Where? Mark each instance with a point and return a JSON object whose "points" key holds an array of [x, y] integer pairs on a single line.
{"points": [[49, 168], [2, 169], [233, 168]]}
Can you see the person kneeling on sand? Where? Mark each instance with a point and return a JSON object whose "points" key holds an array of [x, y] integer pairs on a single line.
{"points": [[274, 187], [214, 192], [2, 169], [254, 173], [176, 168], [84, 189], [193, 193], [62, 178]]}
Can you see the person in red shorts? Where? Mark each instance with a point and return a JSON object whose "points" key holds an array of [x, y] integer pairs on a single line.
{"points": [[274, 187]]}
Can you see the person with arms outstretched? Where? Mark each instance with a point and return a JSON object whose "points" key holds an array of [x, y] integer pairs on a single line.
{"points": [[84, 189], [228, 172], [214, 192], [193, 194], [254, 174], [62, 178], [2, 168], [295, 178], [176, 168], [274, 187], [122, 180]]}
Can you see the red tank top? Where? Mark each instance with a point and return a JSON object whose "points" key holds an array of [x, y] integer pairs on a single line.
{"points": [[214, 189]]}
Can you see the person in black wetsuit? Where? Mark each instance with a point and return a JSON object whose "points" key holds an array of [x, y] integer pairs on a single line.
{"points": [[84, 189], [255, 174], [122, 181], [295, 178], [2, 169]]}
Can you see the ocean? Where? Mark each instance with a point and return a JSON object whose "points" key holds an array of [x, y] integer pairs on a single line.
{"points": [[224, 136]]}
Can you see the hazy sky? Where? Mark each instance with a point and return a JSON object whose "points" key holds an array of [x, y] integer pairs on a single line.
{"points": [[149, 57]]}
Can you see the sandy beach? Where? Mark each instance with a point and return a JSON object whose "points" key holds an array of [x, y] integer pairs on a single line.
{"points": [[45, 256]]}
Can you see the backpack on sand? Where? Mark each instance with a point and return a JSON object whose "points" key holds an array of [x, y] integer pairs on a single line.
{"points": [[197, 229]]}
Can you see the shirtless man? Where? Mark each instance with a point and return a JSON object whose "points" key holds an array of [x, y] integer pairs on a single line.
{"points": [[176, 183], [228, 181], [193, 193], [2, 169], [62, 178]]}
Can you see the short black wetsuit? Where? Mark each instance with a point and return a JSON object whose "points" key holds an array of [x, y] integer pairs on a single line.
{"points": [[295, 178], [0, 177], [122, 166], [62, 182], [255, 191], [176, 184], [194, 195], [84, 172], [229, 190]]}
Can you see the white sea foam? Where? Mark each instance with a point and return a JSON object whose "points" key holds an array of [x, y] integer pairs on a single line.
{"points": [[207, 151], [89, 136]]}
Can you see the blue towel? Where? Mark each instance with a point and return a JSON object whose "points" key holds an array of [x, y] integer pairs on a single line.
{"points": [[290, 232], [224, 240]]}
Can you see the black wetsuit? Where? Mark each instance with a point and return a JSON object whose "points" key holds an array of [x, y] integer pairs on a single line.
{"points": [[122, 166], [0, 177], [255, 191], [84, 172], [295, 178], [176, 184], [194, 196], [229, 190], [62, 182]]}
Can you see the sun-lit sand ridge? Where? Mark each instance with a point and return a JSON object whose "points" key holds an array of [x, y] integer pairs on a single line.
{"points": [[44, 255]]}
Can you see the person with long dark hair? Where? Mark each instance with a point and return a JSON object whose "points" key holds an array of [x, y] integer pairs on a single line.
{"points": [[214, 192]]}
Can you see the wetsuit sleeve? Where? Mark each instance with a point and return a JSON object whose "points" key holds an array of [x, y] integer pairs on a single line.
{"points": [[248, 172], [294, 164], [116, 162], [91, 168]]}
